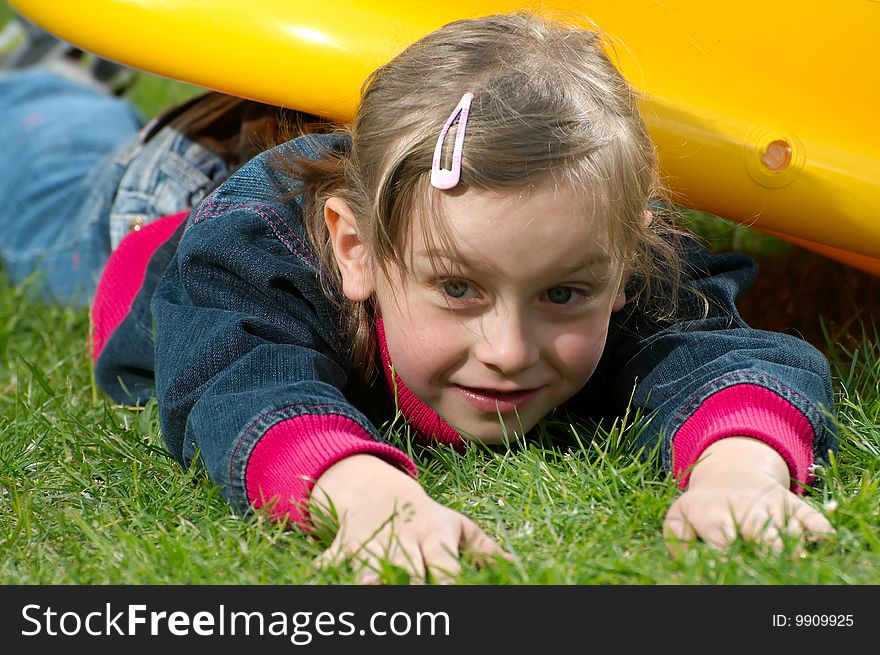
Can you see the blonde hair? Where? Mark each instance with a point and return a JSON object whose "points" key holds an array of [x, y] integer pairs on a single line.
{"points": [[548, 102]]}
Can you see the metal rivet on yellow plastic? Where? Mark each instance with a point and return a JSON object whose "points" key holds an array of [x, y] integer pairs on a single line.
{"points": [[777, 155]]}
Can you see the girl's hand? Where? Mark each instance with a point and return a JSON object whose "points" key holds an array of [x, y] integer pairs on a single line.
{"points": [[386, 515], [740, 487]]}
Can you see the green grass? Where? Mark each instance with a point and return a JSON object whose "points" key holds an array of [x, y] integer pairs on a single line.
{"points": [[89, 495]]}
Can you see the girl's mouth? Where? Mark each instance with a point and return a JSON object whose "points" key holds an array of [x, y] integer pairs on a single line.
{"points": [[493, 401]]}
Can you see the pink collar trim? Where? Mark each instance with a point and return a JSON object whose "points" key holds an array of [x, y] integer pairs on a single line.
{"points": [[424, 419]]}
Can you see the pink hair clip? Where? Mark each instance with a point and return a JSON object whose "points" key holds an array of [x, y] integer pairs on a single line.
{"points": [[442, 178]]}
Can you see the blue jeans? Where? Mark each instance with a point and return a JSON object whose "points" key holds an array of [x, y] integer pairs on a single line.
{"points": [[58, 140], [76, 177]]}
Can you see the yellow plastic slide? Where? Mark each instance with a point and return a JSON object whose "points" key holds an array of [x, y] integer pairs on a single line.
{"points": [[763, 112]]}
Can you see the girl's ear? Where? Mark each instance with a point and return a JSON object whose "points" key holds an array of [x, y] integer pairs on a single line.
{"points": [[349, 250], [620, 298]]}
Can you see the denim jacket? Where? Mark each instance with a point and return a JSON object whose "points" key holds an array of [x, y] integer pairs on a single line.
{"points": [[234, 336]]}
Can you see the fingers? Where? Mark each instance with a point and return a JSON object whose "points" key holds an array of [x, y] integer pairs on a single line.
{"points": [[376, 563], [790, 520], [432, 556], [372, 559], [330, 558], [815, 523], [721, 534], [475, 541], [772, 525], [441, 560], [678, 531]]}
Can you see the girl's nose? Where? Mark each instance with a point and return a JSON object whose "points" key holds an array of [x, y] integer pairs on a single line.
{"points": [[506, 343]]}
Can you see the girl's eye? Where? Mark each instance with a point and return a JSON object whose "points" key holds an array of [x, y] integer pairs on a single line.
{"points": [[560, 295], [456, 289]]}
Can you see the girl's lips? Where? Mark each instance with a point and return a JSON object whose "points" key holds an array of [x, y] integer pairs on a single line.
{"points": [[491, 401]]}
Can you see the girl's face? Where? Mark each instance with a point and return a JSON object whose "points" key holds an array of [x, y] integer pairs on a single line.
{"points": [[509, 325]]}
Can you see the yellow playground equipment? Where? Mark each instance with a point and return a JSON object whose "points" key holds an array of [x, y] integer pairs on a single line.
{"points": [[762, 112]]}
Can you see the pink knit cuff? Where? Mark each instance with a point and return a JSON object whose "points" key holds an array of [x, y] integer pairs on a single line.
{"points": [[293, 454], [123, 276], [425, 420], [747, 410]]}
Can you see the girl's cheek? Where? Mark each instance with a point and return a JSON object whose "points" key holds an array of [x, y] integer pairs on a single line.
{"points": [[582, 349], [423, 335]]}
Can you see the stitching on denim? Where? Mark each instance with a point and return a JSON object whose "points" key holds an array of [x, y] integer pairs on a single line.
{"points": [[209, 209]]}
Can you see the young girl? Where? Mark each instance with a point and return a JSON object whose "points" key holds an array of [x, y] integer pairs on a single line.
{"points": [[478, 249]]}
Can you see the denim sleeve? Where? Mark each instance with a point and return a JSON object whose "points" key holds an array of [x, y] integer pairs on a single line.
{"points": [[667, 370], [245, 337]]}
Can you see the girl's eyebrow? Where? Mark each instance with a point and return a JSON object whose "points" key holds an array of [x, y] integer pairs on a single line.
{"points": [[593, 260], [452, 257]]}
